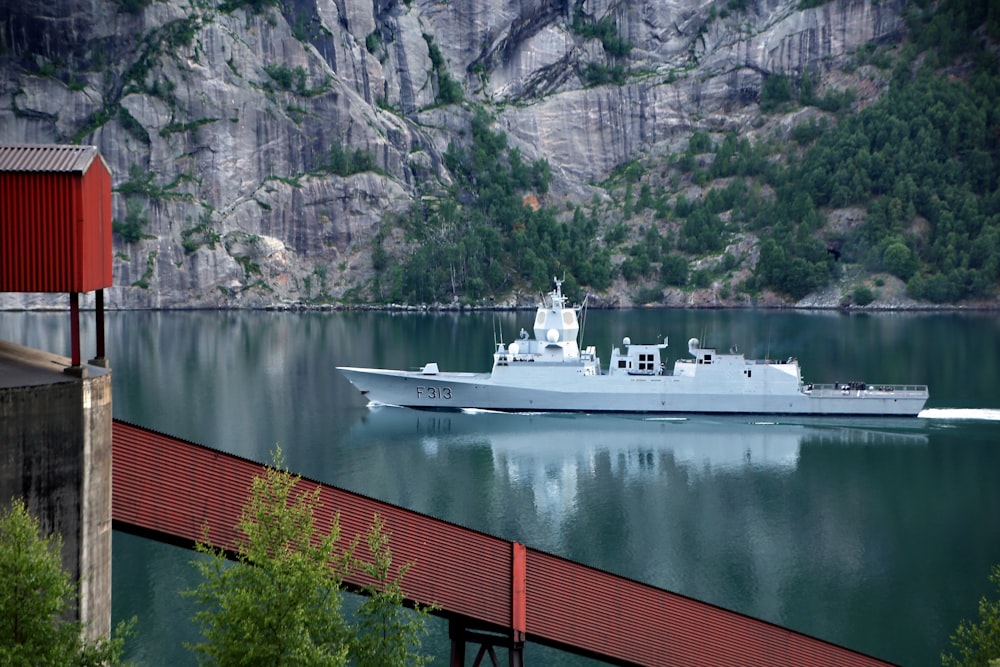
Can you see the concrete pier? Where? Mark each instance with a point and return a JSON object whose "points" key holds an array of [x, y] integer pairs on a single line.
{"points": [[55, 453]]}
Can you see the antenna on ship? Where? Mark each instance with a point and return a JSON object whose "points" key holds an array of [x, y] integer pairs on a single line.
{"points": [[497, 325]]}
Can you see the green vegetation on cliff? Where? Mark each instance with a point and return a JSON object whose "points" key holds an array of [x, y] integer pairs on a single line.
{"points": [[919, 166], [489, 237]]}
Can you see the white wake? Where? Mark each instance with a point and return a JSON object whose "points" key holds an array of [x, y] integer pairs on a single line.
{"points": [[982, 414]]}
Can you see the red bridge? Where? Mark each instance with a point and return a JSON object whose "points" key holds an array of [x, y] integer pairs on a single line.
{"points": [[493, 592]]}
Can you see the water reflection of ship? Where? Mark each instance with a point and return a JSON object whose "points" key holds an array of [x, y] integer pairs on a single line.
{"points": [[634, 443], [562, 458]]}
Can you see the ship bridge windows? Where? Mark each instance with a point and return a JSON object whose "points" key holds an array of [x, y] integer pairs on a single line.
{"points": [[646, 363]]}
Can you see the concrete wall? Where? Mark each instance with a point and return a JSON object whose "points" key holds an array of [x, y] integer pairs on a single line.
{"points": [[55, 452]]}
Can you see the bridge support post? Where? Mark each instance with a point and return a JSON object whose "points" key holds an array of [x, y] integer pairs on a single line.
{"points": [[512, 639], [488, 643]]}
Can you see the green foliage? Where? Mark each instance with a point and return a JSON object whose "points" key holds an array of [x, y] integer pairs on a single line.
{"points": [[700, 142], [285, 77], [922, 161], [806, 133], [702, 232], [595, 74], [434, 52], [647, 295], [928, 150], [386, 634], [306, 25], [343, 162], [147, 275], [701, 278], [977, 644], [449, 90], [253, 6], [131, 229], [604, 30], [177, 127], [295, 80], [491, 233], [180, 33], [862, 295], [201, 234], [36, 596], [281, 603], [793, 267], [674, 270], [775, 93], [899, 260], [948, 29], [132, 126]]}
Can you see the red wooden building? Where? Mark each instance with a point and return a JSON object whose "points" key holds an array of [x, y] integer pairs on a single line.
{"points": [[55, 226]]}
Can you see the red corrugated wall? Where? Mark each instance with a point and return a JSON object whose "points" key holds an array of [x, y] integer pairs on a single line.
{"points": [[167, 486], [171, 488], [96, 268], [55, 231]]}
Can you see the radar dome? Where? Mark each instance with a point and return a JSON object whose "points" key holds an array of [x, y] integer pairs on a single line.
{"points": [[626, 341], [514, 348], [693, 343], [552, 335]]}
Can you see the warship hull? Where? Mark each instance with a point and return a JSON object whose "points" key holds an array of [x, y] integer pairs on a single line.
{"points": [[651, 394]]}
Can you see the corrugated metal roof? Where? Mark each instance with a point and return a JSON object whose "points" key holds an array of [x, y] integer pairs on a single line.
{"points": [[171, 488], [46, 157]]}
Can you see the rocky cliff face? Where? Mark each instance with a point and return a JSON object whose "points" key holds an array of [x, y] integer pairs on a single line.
{"points": [[227, 126]]}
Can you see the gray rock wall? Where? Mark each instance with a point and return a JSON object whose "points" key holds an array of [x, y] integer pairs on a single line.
{"points": [[218, 126]]}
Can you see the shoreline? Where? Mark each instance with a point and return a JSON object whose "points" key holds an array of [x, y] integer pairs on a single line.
{"points": [[461, 308]]}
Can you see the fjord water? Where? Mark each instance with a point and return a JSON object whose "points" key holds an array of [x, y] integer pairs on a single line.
{"points": [[873, 534]]}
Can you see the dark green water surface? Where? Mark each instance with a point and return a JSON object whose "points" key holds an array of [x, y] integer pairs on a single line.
{"points": [[874, 534]]}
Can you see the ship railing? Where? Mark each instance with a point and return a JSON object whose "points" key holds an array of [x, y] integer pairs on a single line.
{"points": [[504, 359], [520, 357], [856, 388]]}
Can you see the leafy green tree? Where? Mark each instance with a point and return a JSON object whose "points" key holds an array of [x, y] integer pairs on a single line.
{"points": [[776, 91], [862, 295], [281, 603], [36, 596], [899, 260], [386, 634], [674, 270], [978, 644]]}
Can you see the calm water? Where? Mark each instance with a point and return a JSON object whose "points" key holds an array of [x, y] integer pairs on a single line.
{"points": [[874, 534]]}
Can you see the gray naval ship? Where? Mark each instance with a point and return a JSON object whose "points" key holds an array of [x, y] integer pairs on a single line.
{"points": [[549, 372]]}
